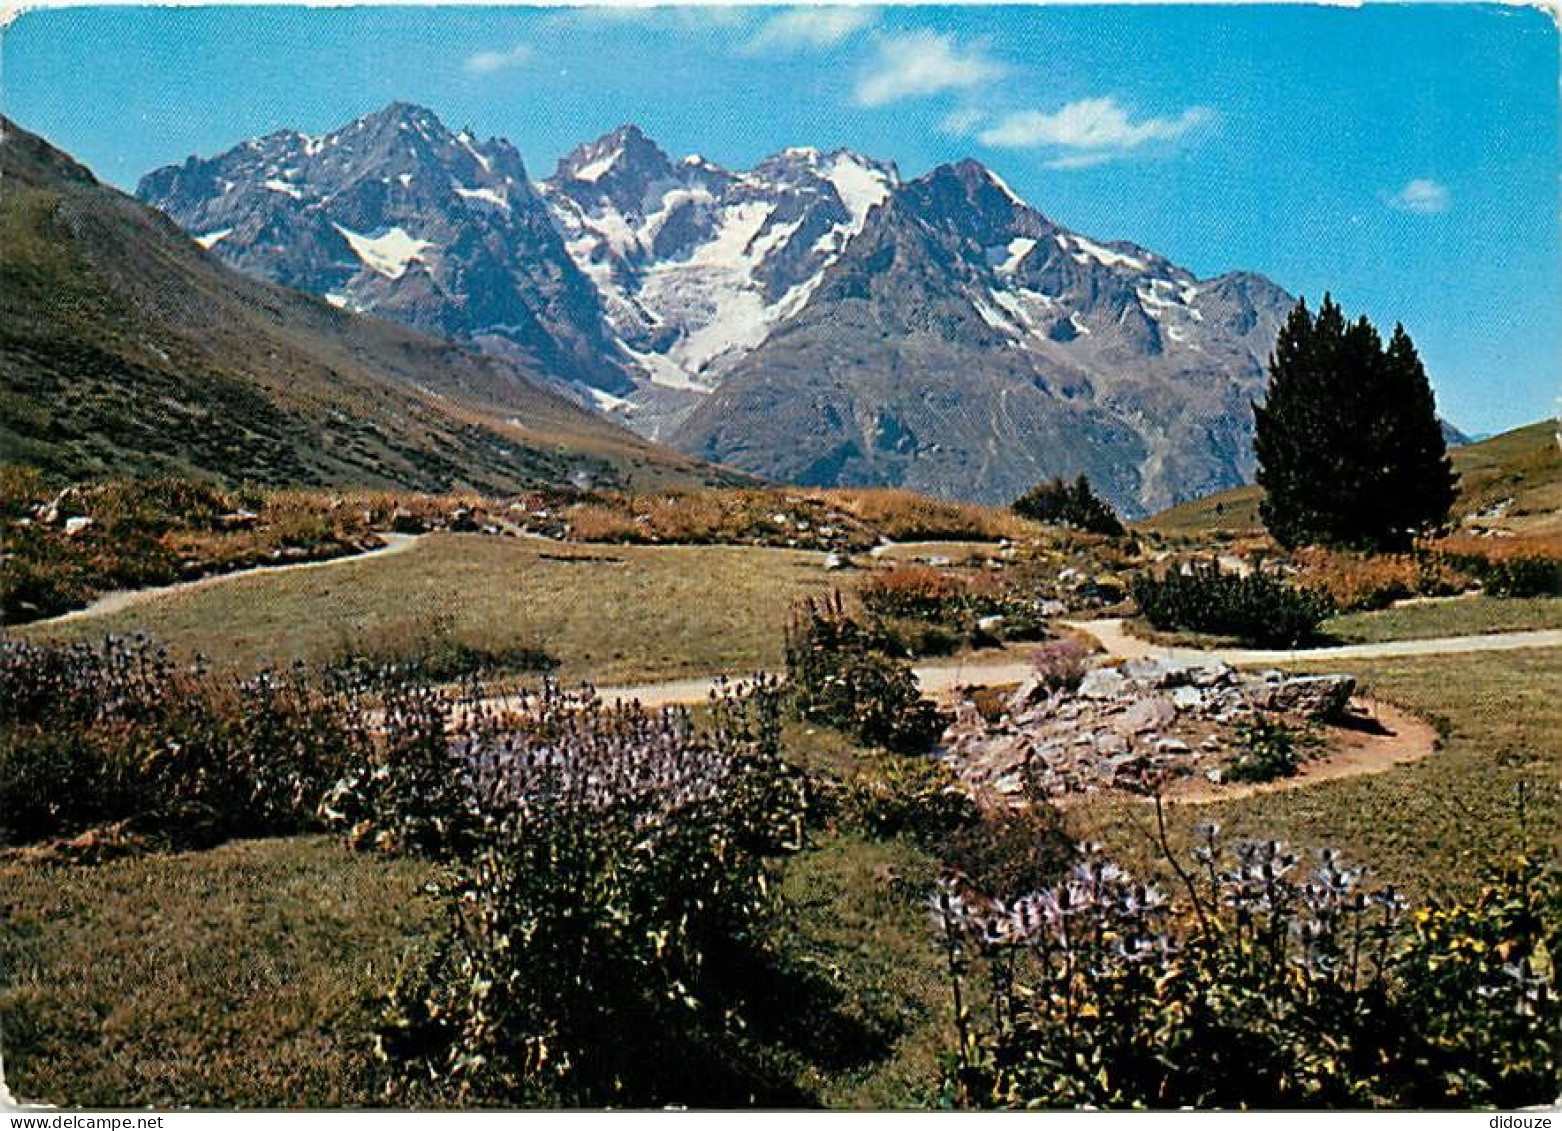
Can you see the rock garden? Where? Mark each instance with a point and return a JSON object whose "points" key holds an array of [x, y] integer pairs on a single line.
{"points": [[1143, 727]]}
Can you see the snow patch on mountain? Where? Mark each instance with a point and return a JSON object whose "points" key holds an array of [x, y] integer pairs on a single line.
{"points": [[487, 195], [277, 185], [1103, 255], [696, 264], [1004, 258], [390, 253], [860, 187]]}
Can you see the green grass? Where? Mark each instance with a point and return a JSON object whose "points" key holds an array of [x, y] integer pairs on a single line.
{"points": [[1465, 616], [859, 917], [239, 976], [611, 613], [1430, 826], [1232, 512]]}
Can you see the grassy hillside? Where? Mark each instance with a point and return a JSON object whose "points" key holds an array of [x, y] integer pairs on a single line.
{"points": [[126, 349], [1524, 465]]}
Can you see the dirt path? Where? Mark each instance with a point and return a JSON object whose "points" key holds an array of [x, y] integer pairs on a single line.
{"points": [[129, 598], [1011, 665], [1398, 739], [1114, 636]]}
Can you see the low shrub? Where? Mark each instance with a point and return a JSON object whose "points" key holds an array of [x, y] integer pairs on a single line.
{"points": [[934, 612], [1060, 664], [915, 592], [1069, 504], [1011, 850], [1523, 577], [608, 940], [895, 794], [1363, 582], [1267, 749], [842, 672], [911, 637], [1255, 608], [1522, 566], [1261, 984]]}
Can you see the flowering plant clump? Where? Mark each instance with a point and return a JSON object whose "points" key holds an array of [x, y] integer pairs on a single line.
{"points": [[845, 673], [1060, 664], [1268, 748], [1269, 983], [120, 733], [609, 923]]}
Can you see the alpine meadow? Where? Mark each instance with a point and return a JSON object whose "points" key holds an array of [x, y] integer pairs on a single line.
{"points": [[911, 558]]}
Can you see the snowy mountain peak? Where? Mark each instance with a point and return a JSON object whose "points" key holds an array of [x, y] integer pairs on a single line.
{"points": [[619, 166], [395, 214], [697, 263]]}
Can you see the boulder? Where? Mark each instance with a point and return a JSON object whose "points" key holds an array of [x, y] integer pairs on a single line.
{"points": [[1146, 715], [1109, 744], [1321, 697], [1102, 683], [1155, 673], [1026, 696], [1212, 675]]}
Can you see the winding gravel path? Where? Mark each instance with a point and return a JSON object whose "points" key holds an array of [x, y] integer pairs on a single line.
{"points": [[1011, 665], [1114, 636], [129, 598]]}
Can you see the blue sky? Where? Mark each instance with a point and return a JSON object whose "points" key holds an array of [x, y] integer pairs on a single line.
{"points": [[1405, 158]]}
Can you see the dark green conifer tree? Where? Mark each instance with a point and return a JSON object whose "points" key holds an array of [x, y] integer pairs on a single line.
{"points": [[1350, 451]]}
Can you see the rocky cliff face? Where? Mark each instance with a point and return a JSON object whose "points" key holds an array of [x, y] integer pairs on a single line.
{"points": [[965, 344]]}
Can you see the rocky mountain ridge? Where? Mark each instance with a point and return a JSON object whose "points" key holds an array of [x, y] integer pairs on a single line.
{"points": [[814, 319]]}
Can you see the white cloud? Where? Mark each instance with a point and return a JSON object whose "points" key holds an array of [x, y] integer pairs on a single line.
{"points": [[1088, 131], [696, 16], [916, 63], [1087, 159], [1421, 195], [805, 29], [490, 62], [963, 122]]}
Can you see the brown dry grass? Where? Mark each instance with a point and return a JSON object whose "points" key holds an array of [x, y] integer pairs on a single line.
{"points": [[904, 516], [1374, 581], [1541, 545]]}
